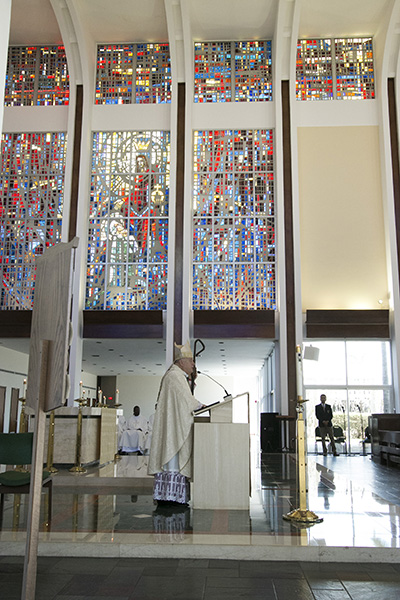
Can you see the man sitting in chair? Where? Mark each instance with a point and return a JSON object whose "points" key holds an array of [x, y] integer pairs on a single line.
{"points": [[324, 415]]}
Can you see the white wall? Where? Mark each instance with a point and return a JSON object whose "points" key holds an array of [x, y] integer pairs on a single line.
{"points": [[13, 371], [343, 258], [143, 391]]}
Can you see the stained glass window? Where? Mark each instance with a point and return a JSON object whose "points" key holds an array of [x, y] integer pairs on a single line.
{"points": [[36, 76], [133, 73], [354, 69], [128, 221], [335, 69], [31, 205], [232, 71], [314, 79], [233, 220]]}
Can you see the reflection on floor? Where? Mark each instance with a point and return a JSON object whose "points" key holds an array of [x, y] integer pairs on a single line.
{"points": [[109, 511]]}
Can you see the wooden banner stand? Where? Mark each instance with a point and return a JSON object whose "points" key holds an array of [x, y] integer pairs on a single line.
{"points": [[32, 530], [48, 364]]}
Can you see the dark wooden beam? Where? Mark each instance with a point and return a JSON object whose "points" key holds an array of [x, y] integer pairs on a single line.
{"points": [[289, 252], [76, 160], [15, 323], [123, 324], [394, 146], [347, 324], [215, 324], [180, 180]]}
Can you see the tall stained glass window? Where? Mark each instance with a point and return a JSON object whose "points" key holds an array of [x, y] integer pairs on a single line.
{"points": [[128, 221], [340, 69], [36, 76], [233, 220], [133, 73], [232, 71], [31, 205]]}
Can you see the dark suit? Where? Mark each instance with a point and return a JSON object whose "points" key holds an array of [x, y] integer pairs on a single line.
{"points": [[323, 413]]}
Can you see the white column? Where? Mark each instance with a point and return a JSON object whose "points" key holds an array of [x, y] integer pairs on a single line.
{"points": [[5, 18]]}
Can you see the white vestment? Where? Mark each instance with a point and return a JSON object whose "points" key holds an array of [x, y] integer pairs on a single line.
{"points": [[133, 438], [147, 443], [172, 436]]}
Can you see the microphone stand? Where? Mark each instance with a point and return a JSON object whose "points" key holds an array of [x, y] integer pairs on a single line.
{"points": [[227, 396], [196, 353]]}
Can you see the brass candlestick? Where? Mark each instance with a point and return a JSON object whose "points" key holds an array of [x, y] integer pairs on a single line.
{"points": [[22, 427], [77, 468], [50, 445], [301, 516]]}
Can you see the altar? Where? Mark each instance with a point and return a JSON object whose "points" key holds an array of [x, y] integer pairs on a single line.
{"points": [[99, 434], [221, 461]]}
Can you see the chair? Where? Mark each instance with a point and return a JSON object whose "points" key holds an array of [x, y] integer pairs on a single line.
{"points": [[339, 437], [318, 438], [16, 449]]}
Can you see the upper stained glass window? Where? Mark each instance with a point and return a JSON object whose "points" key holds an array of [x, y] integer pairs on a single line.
{"points": [[128, 221], [36, 76], [234, 220], [340, 69], [232, 71], [133, 73], [31, 206]]}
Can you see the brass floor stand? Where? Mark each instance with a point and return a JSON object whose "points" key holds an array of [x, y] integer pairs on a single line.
{"points": [[77, 468], [302, 516]]}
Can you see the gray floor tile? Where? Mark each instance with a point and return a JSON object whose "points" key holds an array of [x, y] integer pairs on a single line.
{"points": [[331, 595], [292, 588], [323, 583], [238, 594], [373, 590], [250, 583], [85, 566], [197, 563], [169, 588], [88, 584]]}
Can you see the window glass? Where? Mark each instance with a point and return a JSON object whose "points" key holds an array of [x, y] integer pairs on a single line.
{"points": [[330, 368], [368, 363]]}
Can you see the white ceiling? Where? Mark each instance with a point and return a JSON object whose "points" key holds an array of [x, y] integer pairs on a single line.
{"points": [[147, 357], [34, 22]]}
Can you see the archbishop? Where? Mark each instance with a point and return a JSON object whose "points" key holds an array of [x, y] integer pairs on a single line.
{"points": [[171, 449]]}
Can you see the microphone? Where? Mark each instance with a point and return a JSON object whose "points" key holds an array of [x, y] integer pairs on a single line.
{"points": [[218, 383]]}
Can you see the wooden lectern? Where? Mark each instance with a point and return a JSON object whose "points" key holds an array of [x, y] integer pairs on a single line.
{"points": [[221, 460]]}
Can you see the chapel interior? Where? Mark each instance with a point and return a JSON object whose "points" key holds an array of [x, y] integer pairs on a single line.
{"points": [[229, 170]]}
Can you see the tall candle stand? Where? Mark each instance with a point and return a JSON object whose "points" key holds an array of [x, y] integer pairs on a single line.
{"points": [[22, 425], [77, 468], [301, 516], [50, 445]]}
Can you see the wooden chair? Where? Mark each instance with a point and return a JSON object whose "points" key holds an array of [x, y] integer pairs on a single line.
{"points": [[16, 449]]}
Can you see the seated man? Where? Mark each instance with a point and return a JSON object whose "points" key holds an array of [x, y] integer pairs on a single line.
{"points": [[133, 438]]}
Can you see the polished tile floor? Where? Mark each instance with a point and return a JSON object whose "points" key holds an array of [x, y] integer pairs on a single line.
{"points": [[109, 512], [203, 579]]}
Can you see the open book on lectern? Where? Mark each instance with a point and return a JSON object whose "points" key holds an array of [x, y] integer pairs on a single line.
{"points": [[200, 411]]}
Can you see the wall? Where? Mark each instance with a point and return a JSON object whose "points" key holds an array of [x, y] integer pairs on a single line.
{"points": [[143, 391], [13, 371], [343, 261]]}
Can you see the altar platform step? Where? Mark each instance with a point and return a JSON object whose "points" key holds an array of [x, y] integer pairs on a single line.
{"points": [[109, 512]]}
